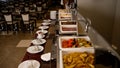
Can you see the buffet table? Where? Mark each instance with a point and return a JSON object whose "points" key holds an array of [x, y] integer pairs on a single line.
{"points": [[52, 46], [49, 46]]}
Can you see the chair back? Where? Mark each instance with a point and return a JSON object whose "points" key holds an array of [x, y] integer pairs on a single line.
{"points": [[25, 17], [26, 9], [32, 10], [8, 17], [44, 5], [39, 9]]}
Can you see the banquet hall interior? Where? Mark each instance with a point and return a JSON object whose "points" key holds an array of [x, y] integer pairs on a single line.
{"points": [[21, 19]]}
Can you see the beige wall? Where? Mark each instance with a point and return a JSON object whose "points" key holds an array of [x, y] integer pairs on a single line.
{"points": [[116, 29], [102, 13]]}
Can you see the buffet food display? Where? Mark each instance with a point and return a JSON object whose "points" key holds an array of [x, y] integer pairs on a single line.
{"points": [[64, 10], [77, 58], [64, 14], [71, 50], [68, 27], [74, 42], [78, 50], [74, 51], [68, 23]]}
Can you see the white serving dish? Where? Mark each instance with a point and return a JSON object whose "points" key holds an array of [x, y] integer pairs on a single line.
{"points": [[46, 56], [45, 24], [42, 31], [43, 27], [67, 51], [68, 23], [40, 36], [35, 49], [68, 29], [63, 16], [61, 38], [64, 11], [47, 21], [29, 64]]}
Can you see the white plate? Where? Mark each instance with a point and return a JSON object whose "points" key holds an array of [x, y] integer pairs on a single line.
{"points": [[43, 31], [43, 27], [46, 56], [40, 37], [45, 24], [37, 42], [35, 49], [29, 64], [46, 20]]}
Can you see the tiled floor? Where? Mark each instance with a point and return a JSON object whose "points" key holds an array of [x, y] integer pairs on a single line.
{"points": [[10, 55]]}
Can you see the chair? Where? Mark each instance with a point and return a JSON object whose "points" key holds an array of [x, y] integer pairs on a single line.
{"points": [[16, 5], [40, 13], [2, 26], [26, 9], [44, 6], [10, 25], [4, 10], [39, 8], [32, 13], [27, 24]]}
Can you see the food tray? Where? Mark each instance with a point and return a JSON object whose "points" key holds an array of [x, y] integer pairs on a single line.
{"points": [[73, 42], [63, 16], [67, 23], [64, 11], [66, 29], [69, 58]]}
